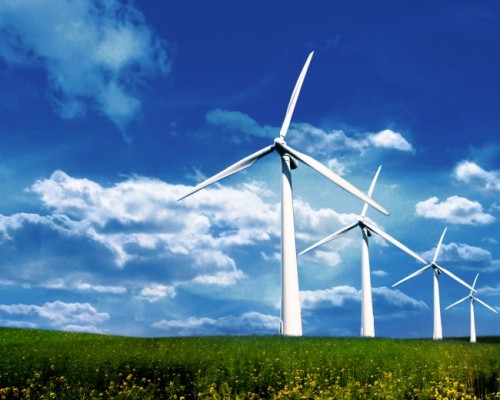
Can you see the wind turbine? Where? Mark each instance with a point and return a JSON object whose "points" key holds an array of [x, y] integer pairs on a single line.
{"points": [[437, 269], [472, 300], [367, 320], [291, 323]]}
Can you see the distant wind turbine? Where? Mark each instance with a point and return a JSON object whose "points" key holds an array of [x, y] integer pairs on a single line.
{"points": [[291, 323], [437, 269], [367, 319], [472, 300]]}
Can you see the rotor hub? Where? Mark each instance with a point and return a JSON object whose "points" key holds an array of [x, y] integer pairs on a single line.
{"points": [[279, 140]]}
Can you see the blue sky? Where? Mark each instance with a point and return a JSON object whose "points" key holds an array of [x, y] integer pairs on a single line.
{"points": [[110, 111]]}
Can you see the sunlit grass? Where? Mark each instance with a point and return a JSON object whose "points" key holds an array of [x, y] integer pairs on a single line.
{"points": [[43, 364]]}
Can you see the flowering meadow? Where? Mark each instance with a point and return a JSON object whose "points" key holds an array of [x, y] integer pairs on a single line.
{"points": [[38, 364]]}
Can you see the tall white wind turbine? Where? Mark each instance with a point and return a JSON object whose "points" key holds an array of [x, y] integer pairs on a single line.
{"points": [[472, 300], [437, 269], [367, 319], [291, 323]]}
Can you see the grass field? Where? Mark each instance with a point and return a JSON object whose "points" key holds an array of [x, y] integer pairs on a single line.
{"points": [[45, 364]]}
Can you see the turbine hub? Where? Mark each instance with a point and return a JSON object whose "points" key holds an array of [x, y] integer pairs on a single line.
{"points": [[279, 140]]}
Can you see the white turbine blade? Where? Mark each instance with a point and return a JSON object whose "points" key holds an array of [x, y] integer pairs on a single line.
{"points": [[236, 167], [474, 284], [316, 165], [295, 96], [396, 243], [416, 273], [484, 304], [458, 302], [439, 246], [330, 237], [452, 275], [370, 191]]}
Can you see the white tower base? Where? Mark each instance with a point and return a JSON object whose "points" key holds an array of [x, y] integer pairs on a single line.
{"points": [[290, 301], [367, 319], [438, 328], [472, 323]]}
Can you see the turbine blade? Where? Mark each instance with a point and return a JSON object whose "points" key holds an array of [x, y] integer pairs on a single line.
{"points": [[458, 302], [439, 246], [316, 165], [295, 96], [370, 191], [452, 275], [396, 243], [475, 280], [416, 273], [484, 304], [236, 167], [330, 237]]}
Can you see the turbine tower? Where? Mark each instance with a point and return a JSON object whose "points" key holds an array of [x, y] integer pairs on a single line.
{"points": [[291, 322], [367, 319], [472, 300], [437, 269]]}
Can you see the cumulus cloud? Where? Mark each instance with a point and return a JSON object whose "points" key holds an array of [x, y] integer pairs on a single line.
{"points": [[59, 314], [88, 49], [319, 141], [338, 297], [139, 222], [101, 289], [311, 139], [465, 256], [397, 298], [251, 322], [155, 292], [390, 140], [146, 215], [471, 173], [454, 210], [83, 329]]}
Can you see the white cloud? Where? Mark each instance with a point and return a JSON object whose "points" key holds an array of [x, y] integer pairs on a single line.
{"points": [[17, 324], [397, 298], [318, 141], [83, 329], [311, 139], [465, 256], [454, 210], [336, 297], [250, 322], [87, 48], [329, 258], [379, 273], [59, 313], [390, 140], [155, 220], [220, 278], [489, 290], [155, 292], [337, 166], [101, 288], [471, 173]]}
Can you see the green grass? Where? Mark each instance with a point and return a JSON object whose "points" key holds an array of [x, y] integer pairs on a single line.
{"points": [[45, 364]]}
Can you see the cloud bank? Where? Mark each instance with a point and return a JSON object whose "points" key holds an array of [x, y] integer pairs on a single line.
{"points": [[471, 173], [88, 49], [454, 210], [309, 138]]}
